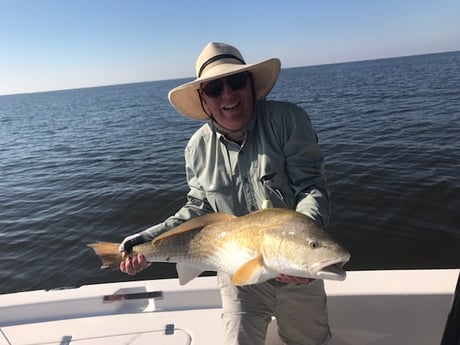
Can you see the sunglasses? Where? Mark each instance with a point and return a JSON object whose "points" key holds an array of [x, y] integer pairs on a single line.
{"points": [[214, 88]]}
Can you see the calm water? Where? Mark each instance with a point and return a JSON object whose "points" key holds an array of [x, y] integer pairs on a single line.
{"points": [[93, 164]]}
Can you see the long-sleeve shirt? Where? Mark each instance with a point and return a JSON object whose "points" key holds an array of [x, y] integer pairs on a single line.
{"points": [[279, 160]]}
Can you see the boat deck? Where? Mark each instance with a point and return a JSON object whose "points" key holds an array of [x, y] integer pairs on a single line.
{"points": [[368, 308]]}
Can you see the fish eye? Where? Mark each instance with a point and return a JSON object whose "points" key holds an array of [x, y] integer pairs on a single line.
{"points": [[313, 244]]}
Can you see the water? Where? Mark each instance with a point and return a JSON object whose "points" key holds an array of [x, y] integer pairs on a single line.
{"points": [[93, 164]]}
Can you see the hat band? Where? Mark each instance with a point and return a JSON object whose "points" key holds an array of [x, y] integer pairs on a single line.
{"points": [[219, 57]]}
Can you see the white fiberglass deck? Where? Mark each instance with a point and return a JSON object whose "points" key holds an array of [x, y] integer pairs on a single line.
{"points": [[368, 308]]}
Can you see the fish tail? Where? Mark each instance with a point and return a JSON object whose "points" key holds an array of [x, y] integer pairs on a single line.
{"points": [[109, 253]]}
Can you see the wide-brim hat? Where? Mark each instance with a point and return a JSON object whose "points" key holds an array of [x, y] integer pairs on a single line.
{"points": [[218, 60]]}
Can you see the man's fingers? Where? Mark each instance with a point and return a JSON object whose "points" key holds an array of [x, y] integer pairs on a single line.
{"points": [[295, 280], [142, 261], [133, 263]]}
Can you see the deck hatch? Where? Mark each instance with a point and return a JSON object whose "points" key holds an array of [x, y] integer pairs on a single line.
{"points": [[133, 296]]}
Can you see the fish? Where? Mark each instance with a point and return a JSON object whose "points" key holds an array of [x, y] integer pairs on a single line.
{"points": [[252, 248]]}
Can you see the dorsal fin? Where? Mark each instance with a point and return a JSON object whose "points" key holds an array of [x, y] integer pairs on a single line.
{"points": [[195, 223]]}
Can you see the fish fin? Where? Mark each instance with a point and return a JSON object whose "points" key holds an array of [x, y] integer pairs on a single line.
{"points": [[109, 253], [250, 272], [187, 273], [195, 223]]}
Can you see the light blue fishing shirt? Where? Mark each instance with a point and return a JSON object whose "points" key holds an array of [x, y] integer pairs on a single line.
{"points": [[279, 159]]}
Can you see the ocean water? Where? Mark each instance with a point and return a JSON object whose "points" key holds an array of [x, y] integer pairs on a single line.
{"points": [[97, 164]]}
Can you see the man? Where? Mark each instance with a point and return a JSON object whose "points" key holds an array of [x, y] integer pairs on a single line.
{"points": [[251, 153]]}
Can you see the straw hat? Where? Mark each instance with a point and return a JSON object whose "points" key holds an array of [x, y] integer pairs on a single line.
{"points": [[218, 60]]}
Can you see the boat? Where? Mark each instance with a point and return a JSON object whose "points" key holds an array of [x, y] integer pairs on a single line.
{"points": [[381, 307]]}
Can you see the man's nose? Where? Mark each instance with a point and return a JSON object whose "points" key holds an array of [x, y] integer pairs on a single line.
{"points": [[226, 90]]}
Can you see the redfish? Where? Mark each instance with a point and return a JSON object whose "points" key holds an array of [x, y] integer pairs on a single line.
{"points": [[252, 249]]}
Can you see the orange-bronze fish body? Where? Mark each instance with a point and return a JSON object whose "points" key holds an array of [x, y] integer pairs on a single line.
{"points": [[252, 248]]}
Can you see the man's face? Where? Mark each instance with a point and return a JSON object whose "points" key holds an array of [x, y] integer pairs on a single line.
{"points": [[229, 100]]}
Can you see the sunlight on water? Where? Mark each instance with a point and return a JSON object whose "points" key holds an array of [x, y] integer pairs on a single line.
{"points": [[84, 165]]}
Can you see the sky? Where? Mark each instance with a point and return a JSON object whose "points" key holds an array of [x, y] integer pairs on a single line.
{"points": [[65, 44]]}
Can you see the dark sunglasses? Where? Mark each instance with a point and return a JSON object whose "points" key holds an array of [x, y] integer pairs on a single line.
{"points": [[214, 88]]}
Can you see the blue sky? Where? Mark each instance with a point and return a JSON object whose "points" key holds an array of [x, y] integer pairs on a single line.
{"points": [[62, 44]]}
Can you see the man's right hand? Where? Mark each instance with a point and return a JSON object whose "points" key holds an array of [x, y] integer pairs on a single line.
{"points": [[133, 263]]}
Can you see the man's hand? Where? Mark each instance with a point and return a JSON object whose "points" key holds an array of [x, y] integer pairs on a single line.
{"points": [[283, 278], [133, 263]]}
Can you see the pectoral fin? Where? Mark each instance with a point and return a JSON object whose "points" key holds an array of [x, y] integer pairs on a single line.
{"points": [[250, 272], [187, 273]]}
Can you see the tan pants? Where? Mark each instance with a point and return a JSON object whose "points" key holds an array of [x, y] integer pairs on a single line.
{"points": [[300, 310]]}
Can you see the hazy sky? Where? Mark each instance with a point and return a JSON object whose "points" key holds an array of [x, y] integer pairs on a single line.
{"points": [[62, 44]]}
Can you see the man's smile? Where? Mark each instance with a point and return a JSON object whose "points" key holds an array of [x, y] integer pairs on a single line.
{"points": [[231, 106]]}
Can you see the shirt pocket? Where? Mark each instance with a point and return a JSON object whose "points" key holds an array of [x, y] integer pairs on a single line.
{"points": [[275, 185]]}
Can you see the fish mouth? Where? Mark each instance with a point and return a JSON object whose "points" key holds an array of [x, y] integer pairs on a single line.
{"points": [[331, 269]]}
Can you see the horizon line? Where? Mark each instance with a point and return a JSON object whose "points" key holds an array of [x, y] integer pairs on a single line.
{"points": [[191, 77]]}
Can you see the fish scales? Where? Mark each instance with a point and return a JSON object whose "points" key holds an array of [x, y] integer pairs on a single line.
{"points": [[252, 248]]}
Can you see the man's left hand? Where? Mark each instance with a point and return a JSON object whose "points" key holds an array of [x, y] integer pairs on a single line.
{"points": [[283, 278]]}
